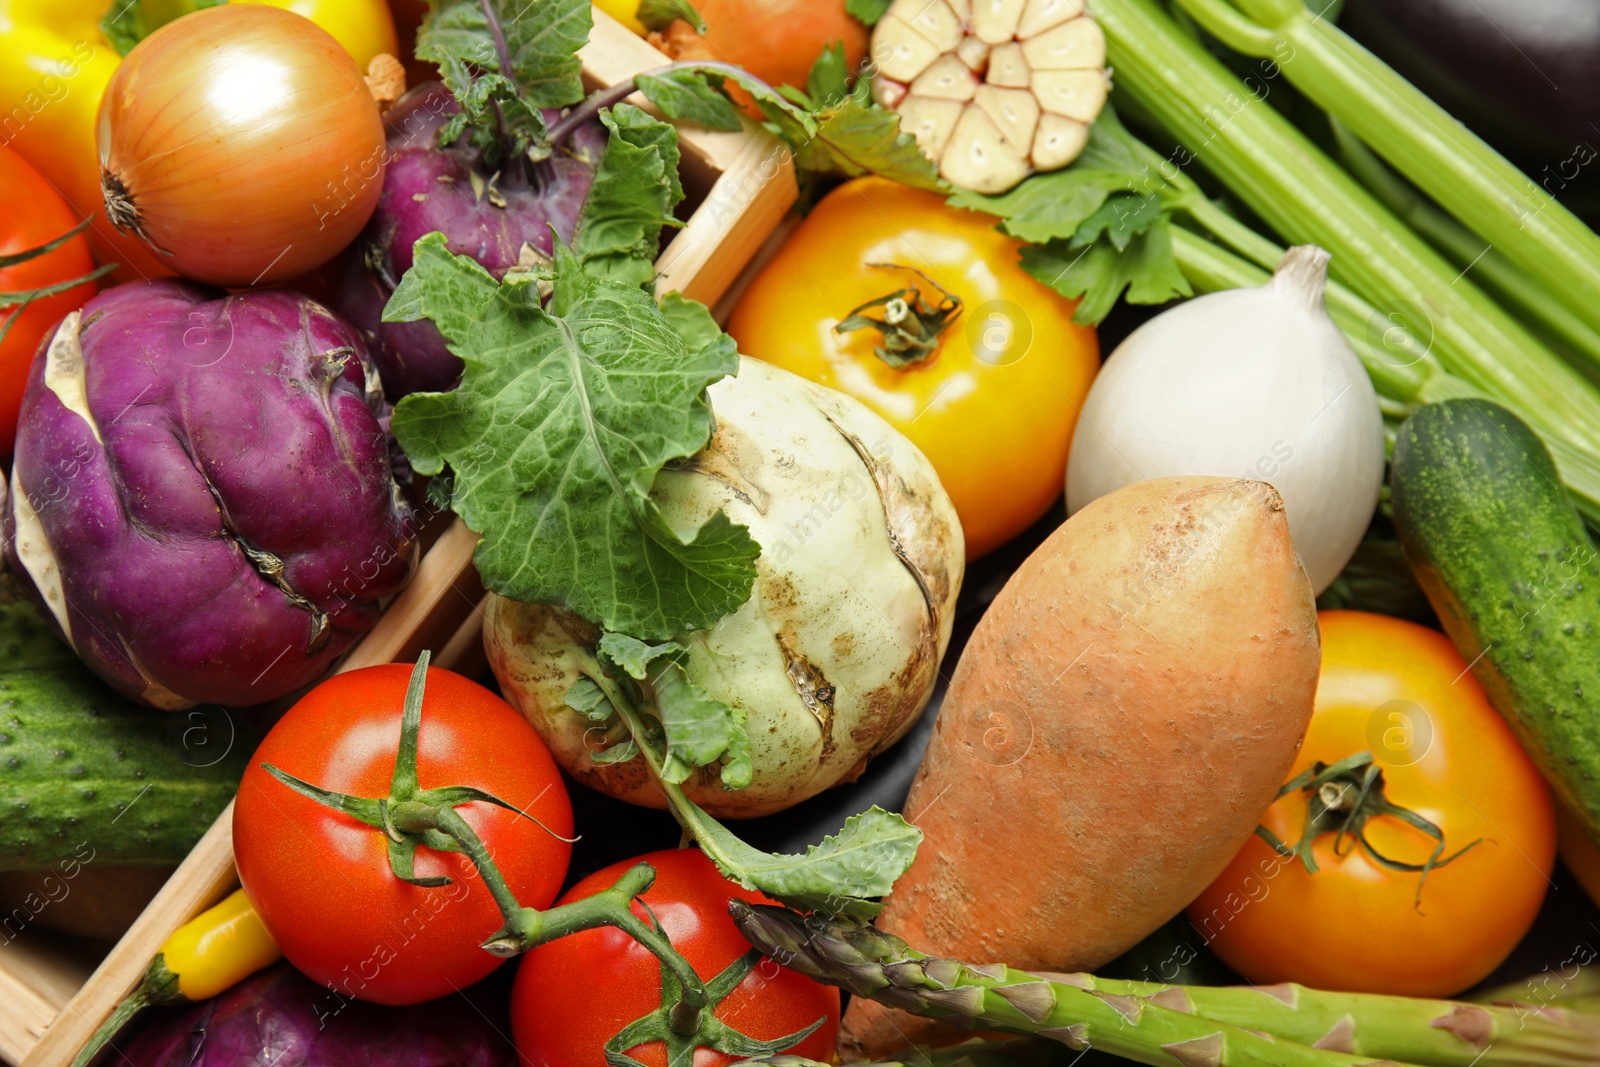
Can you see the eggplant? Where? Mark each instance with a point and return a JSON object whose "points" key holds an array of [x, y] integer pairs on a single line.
{"points": [[1522, 74]]}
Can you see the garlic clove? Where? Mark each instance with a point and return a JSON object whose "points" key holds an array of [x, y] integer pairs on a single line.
{"points": [[974, 53], [1075, 94], [1014, 112], [977, 157], [1076, 45], [947, 79], [900, 51], [933, 19], [962, 9], [930, 121], [995, 21], [1008, 67], [1058, 142], [1042, 15], [888, 92]]}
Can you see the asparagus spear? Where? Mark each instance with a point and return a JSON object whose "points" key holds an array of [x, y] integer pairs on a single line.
{"points": [[869, 963], [1149, 1021], [1440, 1033]]}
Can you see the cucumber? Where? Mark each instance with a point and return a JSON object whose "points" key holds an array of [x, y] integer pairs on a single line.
{"points": [[86, 776], [1509, 567], [28, 640]]}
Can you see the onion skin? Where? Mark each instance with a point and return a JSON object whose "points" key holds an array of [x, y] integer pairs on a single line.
{"points": [[168, 434], [426, 189], [242, 143]]}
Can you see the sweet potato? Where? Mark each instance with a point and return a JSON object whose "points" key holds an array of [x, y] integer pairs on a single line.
{"points": [[1121, 718]]}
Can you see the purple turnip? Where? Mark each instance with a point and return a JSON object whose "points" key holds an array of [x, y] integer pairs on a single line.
{"points": [[500, 217], [203, 496]]}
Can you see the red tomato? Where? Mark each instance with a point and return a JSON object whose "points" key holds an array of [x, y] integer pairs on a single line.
{"points": [[35, 215], [321, 880], [575, 994]]}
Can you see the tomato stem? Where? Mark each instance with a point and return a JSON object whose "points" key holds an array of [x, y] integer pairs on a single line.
{"points": [[910, 326], [1341, 798]]}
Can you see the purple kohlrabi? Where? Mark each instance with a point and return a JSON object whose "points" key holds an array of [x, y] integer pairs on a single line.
{"points": [[281, 1019], [203, 496], [500, 218]]}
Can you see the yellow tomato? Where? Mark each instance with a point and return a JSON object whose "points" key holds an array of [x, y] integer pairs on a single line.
{"points": [[1402, 692], [993, 407], [624, 11]]}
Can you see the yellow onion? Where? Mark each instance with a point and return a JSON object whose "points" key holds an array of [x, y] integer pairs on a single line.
{"points": [[242, 143]]}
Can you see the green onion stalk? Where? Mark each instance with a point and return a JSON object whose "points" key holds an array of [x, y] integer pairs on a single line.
{"points": [[1441, 156], [1411, 313], [1152, 1023]]}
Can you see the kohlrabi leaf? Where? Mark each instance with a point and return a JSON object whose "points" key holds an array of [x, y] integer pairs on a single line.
{"points": [[698, 728], [633, 655], [689, 95], [694, 324], [836, 877], [562, 420], [867, 11], [541, 40], [636, 186], [587, 699], [659, 14]]}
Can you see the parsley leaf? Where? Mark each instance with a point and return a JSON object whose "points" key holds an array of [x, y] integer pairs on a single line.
{"points": [[1093, 233], [867, 11], [562, 420], [636, 186]]}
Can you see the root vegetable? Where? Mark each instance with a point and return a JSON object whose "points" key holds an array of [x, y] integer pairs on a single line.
{"points": [[1042, 63], [835, 654], [1121, 718]]}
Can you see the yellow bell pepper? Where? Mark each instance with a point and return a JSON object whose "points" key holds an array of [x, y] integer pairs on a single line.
{"points": [[624, 11], [56, 64]]}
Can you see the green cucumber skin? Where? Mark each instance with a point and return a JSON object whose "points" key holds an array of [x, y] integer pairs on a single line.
{"points": [[28, 641], [1509, 567], [83, 772]]}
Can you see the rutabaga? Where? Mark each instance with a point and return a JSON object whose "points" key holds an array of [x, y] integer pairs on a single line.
{"points": [[835, 653], [1257, 383]]}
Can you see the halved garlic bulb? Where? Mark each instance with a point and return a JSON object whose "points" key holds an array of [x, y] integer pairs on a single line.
{"points": [[993, 90]]}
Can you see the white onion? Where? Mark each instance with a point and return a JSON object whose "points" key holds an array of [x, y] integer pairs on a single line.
{"points": [[1254, 383]]}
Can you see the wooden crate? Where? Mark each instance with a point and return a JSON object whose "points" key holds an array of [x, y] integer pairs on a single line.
{"points": [[740, 185]]}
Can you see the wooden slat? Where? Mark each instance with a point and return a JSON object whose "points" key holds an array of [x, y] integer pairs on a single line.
{"points": [[752, 190]]}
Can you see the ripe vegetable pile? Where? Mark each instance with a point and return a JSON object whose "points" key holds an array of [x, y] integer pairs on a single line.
{"points": [[889, 642]]}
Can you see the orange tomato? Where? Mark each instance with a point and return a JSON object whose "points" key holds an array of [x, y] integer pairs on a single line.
{"points": [[776, 40], [1402, 692], [40, 216], [994, 407]]}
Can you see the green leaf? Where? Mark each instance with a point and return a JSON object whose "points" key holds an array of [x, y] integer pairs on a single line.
{"points": [[860, 861], [867, 11], [659, 14], [126, 22], [829, 81], [587, 699], [542, 39], [634, 656], [856, 138], [693, 322], [1100, 272], [635, 189], [618, 753], [690, 95], [1119, 220], [562, 420], [1049, 207], [737, 768], [699, 727]]}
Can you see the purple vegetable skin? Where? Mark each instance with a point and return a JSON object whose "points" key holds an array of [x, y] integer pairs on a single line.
{"points": [[487, 216], [281, 1019], [202, 495]]}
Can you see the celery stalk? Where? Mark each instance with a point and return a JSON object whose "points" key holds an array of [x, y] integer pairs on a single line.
{"points": [[1308, 199], [1446, 160]]}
